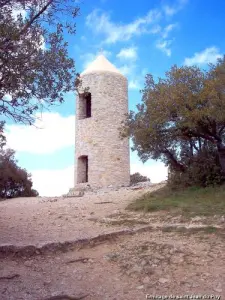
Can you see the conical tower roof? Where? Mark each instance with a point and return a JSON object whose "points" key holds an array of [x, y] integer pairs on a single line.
{"points": [[101, 64]]}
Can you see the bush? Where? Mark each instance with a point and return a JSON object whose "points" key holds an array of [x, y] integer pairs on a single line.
{"points": [[14, 181], [137, 177], [202, 170]]}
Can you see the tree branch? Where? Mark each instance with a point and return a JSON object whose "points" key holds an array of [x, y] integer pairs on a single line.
{"points": [[35, 17], [173, 160]]}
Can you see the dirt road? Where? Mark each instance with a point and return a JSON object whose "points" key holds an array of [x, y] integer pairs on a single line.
{"points": [[91, 248]]}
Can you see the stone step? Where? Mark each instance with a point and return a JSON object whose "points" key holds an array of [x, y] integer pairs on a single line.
{"points": [[74, 193]]}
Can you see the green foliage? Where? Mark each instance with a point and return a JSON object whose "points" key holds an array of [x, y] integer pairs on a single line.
{"points": [[181, 121], [14, 181], [35, 69], [137, 177], [202, 169], [189, 202]]}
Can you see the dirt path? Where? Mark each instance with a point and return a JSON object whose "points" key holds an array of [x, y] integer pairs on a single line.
{"points": [[156, 260], [128, 267], [33, 221]]}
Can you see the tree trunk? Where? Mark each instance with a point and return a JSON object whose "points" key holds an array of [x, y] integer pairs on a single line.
{"points": [[221, 153], [173, 161]]}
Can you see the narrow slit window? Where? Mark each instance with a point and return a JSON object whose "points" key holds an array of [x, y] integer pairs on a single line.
{"points": [[88, 105], [84, 106]]}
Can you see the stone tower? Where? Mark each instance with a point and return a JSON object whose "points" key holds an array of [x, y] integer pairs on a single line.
{"points": [[101, 158]]}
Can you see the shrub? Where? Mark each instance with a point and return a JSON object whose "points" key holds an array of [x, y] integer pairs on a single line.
{"points": [[201, 170], [137, 177], [14, 181]]}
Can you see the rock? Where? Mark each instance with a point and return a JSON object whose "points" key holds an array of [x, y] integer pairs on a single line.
{"points": [[137, 268], [172, 251], [76, 194], [159, 257], [218, 289], [163, 280], [146, 280], [140, 287], [144, 262], [177, 259], [28, 263], [155, 261], [53, 200], [111, 256], [136, 188], [222, 219], [196, 219]]}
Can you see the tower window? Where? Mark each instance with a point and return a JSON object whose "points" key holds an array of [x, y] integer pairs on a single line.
{"points": [[84, 106], [88, 105]]}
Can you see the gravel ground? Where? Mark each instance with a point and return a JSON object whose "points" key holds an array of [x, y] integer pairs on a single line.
{"points": [[32, 221], [128, 267], [156, 260]]}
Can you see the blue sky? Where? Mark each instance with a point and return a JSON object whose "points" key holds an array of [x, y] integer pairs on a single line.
{"points": [[138, 38]]}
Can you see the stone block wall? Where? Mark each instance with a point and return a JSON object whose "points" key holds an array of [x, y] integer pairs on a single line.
{"points": [[97, 137]]}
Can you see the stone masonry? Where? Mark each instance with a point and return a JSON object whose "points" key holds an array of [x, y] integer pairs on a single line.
{"points": [[102, 158]]}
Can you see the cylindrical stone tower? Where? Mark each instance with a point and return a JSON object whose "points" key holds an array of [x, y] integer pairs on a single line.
{"points": [[101, 158]]}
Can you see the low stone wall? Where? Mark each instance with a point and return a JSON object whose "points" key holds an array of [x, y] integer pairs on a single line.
{"points": [[85, 188]]}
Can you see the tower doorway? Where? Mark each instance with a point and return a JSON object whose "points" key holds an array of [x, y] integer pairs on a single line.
{"points": [[82, 169]]}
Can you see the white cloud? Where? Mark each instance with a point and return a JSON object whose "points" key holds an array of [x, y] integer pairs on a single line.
{"points": [[128, 53], [172, 10], [53, 133], [7, 97], [53, 182], [157, 172], [42, 43], [134, 85], [18, 11], [167, 30], [164, 46], [144, 72], [101, 23], [209, 55], [155, 29], [169, 11], [127, 69], [58, 182], [87, 59]]}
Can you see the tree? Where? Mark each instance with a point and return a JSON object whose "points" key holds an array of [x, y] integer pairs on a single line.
{"points": [[14, 181], [137, 177], [35, 69], [2, 137], [180, 116]]}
